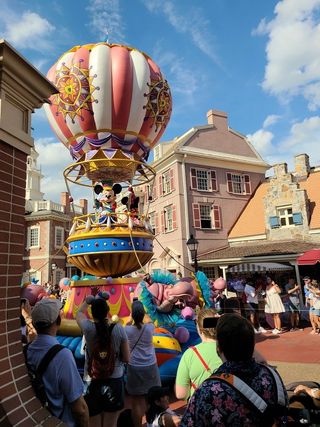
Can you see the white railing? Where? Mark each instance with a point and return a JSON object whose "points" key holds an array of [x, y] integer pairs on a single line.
{"points": [[45, 205]]}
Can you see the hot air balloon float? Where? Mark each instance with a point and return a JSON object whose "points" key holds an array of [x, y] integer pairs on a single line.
{"points": [[112, 106]]}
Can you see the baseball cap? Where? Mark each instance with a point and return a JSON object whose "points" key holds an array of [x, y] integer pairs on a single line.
{"points": [[156, 392], [306, 278], [46, 311]]}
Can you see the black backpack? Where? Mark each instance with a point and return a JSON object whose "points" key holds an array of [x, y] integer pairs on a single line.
{"points": [[102, 360], [36, 375]]}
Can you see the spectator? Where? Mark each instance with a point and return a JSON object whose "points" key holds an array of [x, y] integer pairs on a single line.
{"points": [[219, 403], [159, 413], [251, 291], [143, 371], [274, 304], [314, 313], [293, 291], [306, 289], [197, 363], [62, 382], [105, 396]]}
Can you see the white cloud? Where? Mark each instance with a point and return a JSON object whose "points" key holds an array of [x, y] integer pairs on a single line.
{"points": [[106, 20], [182, 79], [262, 141], [271, 120], [192, 23], [293, 50], [53, 158], [27, 30]]}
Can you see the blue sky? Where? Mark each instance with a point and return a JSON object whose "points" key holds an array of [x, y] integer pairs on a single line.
{"points": [[257, 60]]}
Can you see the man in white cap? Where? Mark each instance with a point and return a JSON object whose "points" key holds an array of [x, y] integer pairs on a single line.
{"points": [[61, 379]]}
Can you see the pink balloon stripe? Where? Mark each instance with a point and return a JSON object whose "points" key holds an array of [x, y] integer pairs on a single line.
{"points": [[121, 75]]}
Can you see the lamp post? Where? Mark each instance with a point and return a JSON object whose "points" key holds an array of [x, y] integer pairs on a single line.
{"points": [[53, 267], [192, 245]]}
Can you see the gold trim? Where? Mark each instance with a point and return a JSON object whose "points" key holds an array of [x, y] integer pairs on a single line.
{"points": [[96, 282], [129, 132], [109, 253]]}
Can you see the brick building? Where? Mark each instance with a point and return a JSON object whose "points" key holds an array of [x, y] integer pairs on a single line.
{"points": [[204, 179], [22, 89]]}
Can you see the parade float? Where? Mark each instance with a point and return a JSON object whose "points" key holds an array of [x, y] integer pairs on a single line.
{"points": [[112, 106]]}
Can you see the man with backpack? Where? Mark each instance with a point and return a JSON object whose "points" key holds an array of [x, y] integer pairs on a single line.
{"points": [[61, 381], [241, 392]]}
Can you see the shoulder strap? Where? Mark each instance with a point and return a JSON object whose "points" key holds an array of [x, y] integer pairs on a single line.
{"points": [[243, 389], [48, 357], [200, 358], [142, 330], [279, 386]]}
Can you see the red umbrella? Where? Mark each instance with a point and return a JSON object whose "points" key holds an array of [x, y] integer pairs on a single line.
{"points": [[309, 258]]}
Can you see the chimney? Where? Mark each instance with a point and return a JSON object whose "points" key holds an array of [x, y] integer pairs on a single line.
{"points": [[302, 165], [65, 201], [218, 118], [84, 205], [280, 169]]}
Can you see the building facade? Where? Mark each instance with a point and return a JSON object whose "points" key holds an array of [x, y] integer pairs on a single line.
{"points": [[204, 179], [47, 227], [280, 222]]}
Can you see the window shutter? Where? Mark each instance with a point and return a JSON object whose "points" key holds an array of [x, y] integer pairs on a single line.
{"points": [[214, 186], [171, 180], [160, 186], [154, 190], [274, 221], [156, 223], [247, 184], [163, 226], [229, 183], [146, 190], [297, 218], [196, 215], [174, 217], [193, 179], [216, 217]]}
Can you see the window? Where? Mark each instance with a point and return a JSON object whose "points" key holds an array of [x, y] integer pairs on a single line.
{"points": [[59, 237], [33, 237], [151, 192], [205, 216], [285, 216], [157, 152], [238, 183], [166, 182], [169, 220], [152, 220], [209, 272], [203, 180]]}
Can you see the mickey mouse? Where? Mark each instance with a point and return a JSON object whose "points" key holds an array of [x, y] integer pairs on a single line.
{"points": [[106, 198]]}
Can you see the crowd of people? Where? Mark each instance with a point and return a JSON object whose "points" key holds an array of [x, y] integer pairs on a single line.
{"points": [[224, 380]]}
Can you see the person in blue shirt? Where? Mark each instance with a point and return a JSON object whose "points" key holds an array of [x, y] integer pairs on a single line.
{"points": [[62, 382]]}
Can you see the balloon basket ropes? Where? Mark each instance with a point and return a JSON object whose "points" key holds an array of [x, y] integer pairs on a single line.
{"points": [[129, 171]]}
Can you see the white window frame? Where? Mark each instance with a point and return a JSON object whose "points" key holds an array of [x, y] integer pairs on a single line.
{"points": [[198, 179], [166, 182], [285, 216], [56, 229], [209, 217], [157, 152], [168, 218], [240, 182], [152, 221], [30, 229]]}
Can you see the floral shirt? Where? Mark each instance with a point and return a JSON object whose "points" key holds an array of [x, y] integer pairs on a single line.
{"points": [[216, 403]]}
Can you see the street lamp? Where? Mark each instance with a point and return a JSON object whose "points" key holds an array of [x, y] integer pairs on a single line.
{"points": [[53, 267], [192, 245]]}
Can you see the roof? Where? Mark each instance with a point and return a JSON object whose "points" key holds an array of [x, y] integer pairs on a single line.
{"points": [[251, 249], [253, 213]]}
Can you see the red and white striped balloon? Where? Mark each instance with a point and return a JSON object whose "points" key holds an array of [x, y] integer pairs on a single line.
{"points": [[110, 97]]}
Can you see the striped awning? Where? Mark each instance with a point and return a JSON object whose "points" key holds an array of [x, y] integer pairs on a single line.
{"points": [[256, 267]]}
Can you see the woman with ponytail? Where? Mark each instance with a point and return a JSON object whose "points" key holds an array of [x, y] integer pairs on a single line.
{"points": [[107, 350]]}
